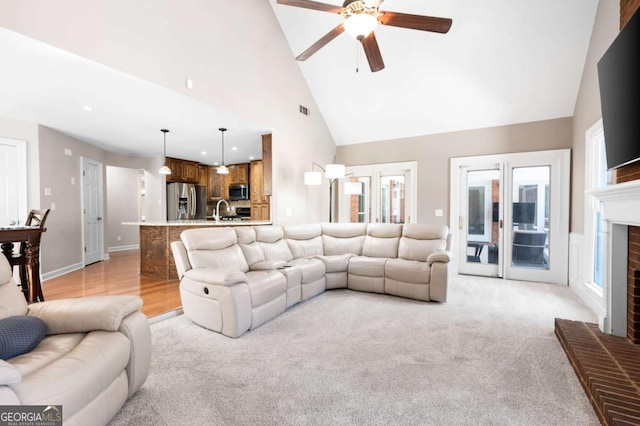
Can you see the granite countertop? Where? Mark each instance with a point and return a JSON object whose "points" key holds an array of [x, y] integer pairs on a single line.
{"points": [[200, 222]]}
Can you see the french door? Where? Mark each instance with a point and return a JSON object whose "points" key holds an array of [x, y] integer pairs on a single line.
{"points": [[511, 214], [13, 182], [382, 193]]}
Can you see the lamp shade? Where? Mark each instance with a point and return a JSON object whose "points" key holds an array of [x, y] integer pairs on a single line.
{"points": [[164, 170], [334, 171], [359, 26], [353, 188], [312, 178], [223, 170]]}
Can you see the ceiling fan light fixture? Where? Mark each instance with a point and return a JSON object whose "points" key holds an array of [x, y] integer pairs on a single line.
{"points": [[360, 25]]}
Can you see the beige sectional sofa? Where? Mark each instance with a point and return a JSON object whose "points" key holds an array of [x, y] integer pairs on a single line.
{"points": [[95, 354], [235, 279]]}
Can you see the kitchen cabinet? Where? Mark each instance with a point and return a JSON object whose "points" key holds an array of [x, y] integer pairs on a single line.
{"points": [[203, 175], [260, 203], [217, 187], [182, 170], [238, 174], [260, 211]]}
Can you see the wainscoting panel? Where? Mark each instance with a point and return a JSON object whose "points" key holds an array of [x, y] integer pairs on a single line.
{"points": [[578, 275]]}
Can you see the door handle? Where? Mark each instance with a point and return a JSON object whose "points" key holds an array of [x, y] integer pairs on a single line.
{"points": [[500, 223], [99, 218], [460, 222]]}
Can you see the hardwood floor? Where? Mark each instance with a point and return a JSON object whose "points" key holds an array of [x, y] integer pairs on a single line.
{"points": [[118, 275]]}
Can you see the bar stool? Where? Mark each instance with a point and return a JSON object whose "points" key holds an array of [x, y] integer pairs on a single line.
{"points": [[35, 218]]}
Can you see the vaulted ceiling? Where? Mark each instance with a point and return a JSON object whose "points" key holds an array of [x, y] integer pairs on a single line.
{"points": [[502, 62]]}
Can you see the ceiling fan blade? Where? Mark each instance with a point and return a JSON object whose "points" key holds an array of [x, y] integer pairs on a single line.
{"points": [[415, 22], [308, 4], [371, 49], [321, 43]]}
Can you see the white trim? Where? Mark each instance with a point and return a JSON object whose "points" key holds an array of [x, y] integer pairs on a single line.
{"points": [[559, 161], [62, 271], [124, 248], [589, 293]]}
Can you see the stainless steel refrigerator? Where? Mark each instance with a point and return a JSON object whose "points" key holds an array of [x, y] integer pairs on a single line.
{"points": [[186, 201]]}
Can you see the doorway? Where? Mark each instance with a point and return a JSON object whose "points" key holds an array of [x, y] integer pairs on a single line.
{"points": [[379, 193], [13, 182], [512, 215]]}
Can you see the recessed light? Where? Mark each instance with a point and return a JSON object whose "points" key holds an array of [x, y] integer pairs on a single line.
{"points": [[252, 157], [216, 164], [204, 153], [87, 108], [235, 148]]}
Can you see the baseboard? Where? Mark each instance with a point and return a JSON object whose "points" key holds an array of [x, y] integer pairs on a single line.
{"points": [[578, 279], [62, 271], [123, 248]]}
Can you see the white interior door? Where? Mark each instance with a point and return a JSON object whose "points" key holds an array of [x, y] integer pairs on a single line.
{"points": [[527, 238], [93, 223], [13, 188]]}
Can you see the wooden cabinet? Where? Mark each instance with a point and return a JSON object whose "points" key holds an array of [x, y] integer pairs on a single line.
{"points": [[238, 174], [260, 204], [203, 175], [260, 211], [217, 188], [182, 170]]}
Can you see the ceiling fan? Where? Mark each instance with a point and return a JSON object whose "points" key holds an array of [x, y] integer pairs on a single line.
{"points": [[360, 19]]}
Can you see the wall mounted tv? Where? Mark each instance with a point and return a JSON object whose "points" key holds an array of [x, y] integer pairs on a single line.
{"points": [[619, 79]]}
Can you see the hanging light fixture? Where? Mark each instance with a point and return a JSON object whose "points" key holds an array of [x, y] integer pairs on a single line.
{"points": [[223, 170], [164, 170]]}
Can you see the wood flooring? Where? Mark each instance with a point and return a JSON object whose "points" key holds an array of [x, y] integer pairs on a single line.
{"points": [[118, 275]]}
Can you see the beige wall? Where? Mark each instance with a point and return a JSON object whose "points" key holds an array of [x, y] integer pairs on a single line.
{"points": [[235, 53], [123, 205], [587, 111], [433, 153]]}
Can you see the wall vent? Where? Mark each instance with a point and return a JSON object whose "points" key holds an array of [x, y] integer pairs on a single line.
{"points": [[304, 110]]}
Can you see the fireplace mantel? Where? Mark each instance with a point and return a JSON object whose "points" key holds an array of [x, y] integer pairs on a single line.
{"points": [[621, 209]]}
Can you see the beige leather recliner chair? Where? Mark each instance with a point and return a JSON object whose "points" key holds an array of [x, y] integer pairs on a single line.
{"points": [[95, 355]]}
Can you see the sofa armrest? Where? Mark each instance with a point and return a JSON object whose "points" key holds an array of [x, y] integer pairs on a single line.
{"points": [[9, 375], [85, 314], [180, 257], [136, 328], [268, 265], [439, 256], [222, 277]]}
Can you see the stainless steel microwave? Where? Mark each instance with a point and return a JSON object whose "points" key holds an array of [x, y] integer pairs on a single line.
{"points": [[238, 192]]}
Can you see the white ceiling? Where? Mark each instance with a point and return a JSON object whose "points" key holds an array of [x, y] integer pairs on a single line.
{"points": [[502, 62], [50, 86]]}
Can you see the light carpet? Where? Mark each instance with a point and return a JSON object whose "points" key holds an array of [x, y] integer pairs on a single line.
{"points": [[489, 356]]}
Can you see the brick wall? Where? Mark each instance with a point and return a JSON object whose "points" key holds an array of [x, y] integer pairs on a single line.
{"points": [[626, 174]]}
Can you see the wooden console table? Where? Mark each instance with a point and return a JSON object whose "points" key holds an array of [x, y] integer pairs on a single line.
{"points": [[31, 236]]}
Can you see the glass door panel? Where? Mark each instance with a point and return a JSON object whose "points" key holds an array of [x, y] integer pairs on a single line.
{"points": [[530, 210], [481, 222], [392, 199], [359, 199]]}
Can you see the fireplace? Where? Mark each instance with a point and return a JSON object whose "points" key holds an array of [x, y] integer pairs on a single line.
{"points": [[622, 259]]}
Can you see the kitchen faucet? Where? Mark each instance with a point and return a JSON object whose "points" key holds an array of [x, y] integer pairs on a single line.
{"points": [[216, 215]]}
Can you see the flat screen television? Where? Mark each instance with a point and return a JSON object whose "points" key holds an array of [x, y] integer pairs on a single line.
{"points": [[619, 80], [524, 213]]}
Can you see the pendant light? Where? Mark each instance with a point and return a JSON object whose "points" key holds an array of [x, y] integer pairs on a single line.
{"points": [[164, 170], [223, 170]]}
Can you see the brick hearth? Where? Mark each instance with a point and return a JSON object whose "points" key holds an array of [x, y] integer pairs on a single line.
{"points": [[608, 368]]}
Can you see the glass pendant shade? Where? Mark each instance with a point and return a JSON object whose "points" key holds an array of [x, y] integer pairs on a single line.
{"points": [[312, 178], [360, 26], [223, 170], [334, 171], [164, 170]]}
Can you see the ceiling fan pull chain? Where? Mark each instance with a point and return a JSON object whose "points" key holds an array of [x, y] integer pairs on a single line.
{"points": [[357, 57]]}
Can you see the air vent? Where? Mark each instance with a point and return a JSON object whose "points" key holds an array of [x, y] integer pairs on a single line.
{"points": [[304, 110]]}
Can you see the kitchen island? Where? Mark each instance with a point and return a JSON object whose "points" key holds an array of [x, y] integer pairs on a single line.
{"points": [[156, 259]]}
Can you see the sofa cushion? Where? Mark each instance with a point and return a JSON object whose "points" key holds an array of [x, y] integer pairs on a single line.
{"points": [[337, 263], [265, 286], [408, 271], [367, 266], [419, 241], [312, 269], [12, 301], [20, 334], [304, 240], [343, 238]]}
